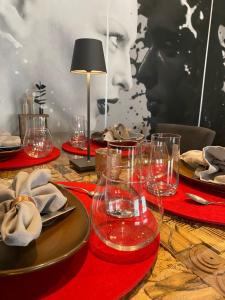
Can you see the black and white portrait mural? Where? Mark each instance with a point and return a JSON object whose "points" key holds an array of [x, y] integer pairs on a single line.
{"points": [[166, 63], [183, 70]]}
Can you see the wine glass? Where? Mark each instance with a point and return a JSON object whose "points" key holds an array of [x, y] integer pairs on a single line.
{"points": [[165, 160], [78, 138], [38, 142], [122, 217]]}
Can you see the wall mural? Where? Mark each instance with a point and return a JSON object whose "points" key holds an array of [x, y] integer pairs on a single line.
{"points": [[174, 71], [179, 62], [36, 44]]}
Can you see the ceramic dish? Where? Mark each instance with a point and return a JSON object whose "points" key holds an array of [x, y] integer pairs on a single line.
{"points": [[56, 243]]}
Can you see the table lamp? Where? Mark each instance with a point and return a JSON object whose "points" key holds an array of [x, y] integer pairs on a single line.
{"points": [[88, 59]]}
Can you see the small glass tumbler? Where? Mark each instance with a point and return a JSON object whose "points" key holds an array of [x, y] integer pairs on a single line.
{"points": [[38, 142], [164, 162], [104, 157], [78, 138]]}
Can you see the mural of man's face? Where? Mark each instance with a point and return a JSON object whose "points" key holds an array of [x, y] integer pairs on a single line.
{"points": [[38, 38], [166, 68]]}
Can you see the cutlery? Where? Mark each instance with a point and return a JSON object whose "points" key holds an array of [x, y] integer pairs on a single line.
{"points": [[203, 201], [50, 216], [77, 188]]}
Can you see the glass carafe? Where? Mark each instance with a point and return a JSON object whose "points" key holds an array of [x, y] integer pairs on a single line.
{"points": [[123, 217], [38, 140]]}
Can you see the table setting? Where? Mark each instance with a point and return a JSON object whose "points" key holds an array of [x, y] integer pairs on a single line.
{"points": [[91, 261], [73, 242], [36, 148]]}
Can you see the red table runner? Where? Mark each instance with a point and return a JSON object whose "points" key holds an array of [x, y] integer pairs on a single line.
{"points": [[180, 205], [22, 160], [69, 148], [94, 272]]}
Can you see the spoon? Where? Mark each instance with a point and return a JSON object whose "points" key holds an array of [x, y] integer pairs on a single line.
{"points": [[77, 188], [201, 200]]}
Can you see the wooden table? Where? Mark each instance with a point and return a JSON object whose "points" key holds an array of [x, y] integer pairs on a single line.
{"points": [[172, 277]]}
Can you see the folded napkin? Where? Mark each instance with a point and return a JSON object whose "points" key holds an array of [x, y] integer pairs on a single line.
{"points": [[20, 206], [209, 163], [9, 140]]}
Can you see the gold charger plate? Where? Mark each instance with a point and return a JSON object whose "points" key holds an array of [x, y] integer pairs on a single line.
{"points": [[56, 242], [188, 173]]}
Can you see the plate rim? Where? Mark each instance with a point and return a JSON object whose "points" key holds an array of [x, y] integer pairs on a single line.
{"points": [[40, 266]]}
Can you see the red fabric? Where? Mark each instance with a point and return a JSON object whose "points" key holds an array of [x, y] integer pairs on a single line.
{"points": [[69, 148], [180, 205], [94, 272], [22, 160]]}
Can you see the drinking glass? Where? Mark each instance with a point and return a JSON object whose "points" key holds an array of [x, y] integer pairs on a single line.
{"points": [[78, 138], [101, 161], [38, 142], [164, 163], [121, 216]]}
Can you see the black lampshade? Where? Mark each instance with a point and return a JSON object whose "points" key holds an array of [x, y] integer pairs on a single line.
{"points": [[88, 56]]}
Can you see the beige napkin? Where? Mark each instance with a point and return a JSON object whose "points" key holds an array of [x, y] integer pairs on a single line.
{"points": [[20, 222], [6, 139], [209, 163]]}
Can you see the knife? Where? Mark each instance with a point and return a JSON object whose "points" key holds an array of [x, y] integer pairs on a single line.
{"points": [[50, 216]]}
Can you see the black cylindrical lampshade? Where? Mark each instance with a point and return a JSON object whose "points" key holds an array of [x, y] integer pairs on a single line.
{"points": [[88, 56]]}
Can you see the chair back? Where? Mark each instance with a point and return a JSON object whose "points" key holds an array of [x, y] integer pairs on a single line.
{"points": [[192, 137]]}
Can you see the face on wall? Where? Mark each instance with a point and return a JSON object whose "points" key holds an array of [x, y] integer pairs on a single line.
{"points": [[169, 68], [122, 24], [37, 39]]}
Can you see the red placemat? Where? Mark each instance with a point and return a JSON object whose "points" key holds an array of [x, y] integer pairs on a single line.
{"points": [[95, 272], [180, 205], [22, 160], [69, 148]]}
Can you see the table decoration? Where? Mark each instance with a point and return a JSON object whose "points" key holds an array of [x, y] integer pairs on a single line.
{"points": [[22, 160], [180, 205], [117, 132], [80, 151], [85, 275]]}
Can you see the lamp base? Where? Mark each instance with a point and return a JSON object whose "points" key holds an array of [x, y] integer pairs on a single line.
{"points": [[83, 165]]}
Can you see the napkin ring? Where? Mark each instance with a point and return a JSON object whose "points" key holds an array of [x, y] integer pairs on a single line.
{"points": [[22, 198]]}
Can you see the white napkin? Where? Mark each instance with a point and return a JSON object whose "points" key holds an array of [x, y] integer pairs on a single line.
{"points": [[209, 163], [20, 223]]}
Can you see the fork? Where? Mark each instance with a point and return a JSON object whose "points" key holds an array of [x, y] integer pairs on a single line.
{"points": [[77, 188]]}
